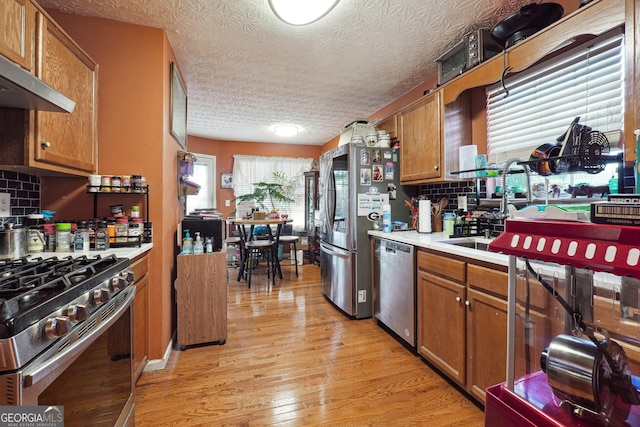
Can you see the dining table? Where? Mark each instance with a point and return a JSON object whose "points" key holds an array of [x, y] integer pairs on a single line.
{"points": [[246, 228]]}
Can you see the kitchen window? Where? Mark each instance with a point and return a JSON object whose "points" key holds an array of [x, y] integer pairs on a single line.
{"points": [[248, 170], [539, 104], [204, 173]]}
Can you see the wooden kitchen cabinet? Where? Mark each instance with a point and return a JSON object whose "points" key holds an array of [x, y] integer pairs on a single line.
{"points": [[462, 320], [421, 137], [42, 142], [140, 268], [66, 141], [486, 342], [201, 298], [441, 324], [17, 20], [390, 124], [430, 136]]}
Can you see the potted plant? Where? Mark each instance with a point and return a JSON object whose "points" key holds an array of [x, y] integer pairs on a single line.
{"points": [[272, 192]]}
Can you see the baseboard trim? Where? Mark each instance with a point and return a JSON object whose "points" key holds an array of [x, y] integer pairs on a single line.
{"points": [[159, 364]]}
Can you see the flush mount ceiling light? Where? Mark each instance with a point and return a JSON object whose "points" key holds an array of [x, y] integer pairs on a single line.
{"points": [[301, 12], [285, 130]]}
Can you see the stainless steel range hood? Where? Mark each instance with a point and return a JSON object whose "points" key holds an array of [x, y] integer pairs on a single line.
{"points": [[20, 89]]}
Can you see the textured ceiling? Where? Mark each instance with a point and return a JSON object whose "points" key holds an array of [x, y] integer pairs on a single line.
{"points": [[247, 71]]}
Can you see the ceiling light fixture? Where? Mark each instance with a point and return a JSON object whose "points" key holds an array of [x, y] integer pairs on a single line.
{"points": [[301, 12], [285, 130]]}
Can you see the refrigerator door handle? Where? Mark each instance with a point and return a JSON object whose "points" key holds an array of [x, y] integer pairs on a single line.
{"points": [[334, 253], [330, 206]]}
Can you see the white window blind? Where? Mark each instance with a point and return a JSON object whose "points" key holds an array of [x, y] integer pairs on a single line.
{"points": [[204, 173], [249, 170], [542, 101]]}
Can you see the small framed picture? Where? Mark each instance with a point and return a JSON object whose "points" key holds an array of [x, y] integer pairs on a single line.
{"points": [[226, 180]]}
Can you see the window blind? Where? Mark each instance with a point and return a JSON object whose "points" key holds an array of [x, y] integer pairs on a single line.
{"points": [[542, 101], [249, 170]]}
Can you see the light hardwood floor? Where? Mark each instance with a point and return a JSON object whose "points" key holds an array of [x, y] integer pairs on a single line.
{"points": [[292, 359]]}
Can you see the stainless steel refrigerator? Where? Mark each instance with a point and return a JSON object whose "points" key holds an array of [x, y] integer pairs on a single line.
{"points": [[355, 181]]}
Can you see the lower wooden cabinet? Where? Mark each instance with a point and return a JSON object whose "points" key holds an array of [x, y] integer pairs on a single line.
{"points": [[462, 320], [140, 268], [441, 324], [486, 342]]}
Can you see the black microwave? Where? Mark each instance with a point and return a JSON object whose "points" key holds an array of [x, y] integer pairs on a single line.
{"points": [[474, 48]]}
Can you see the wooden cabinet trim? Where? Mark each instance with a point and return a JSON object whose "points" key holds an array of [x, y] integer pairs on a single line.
{"points": [[488, 280], [442, 265]]}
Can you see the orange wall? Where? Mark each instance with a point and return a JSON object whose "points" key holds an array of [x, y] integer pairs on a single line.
{"points": [[224, 151], [133, 138]]}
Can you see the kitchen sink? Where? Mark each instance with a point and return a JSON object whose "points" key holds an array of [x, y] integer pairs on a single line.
{"points": [[478, 243]]}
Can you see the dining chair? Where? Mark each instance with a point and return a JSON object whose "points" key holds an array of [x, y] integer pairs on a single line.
{"points": [[287, 237]]}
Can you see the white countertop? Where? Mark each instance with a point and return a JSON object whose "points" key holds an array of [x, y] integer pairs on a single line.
{"points": [[435, 241], [119, 252]]}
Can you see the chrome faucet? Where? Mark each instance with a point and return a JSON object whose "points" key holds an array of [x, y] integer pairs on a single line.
{"points": [[504, 210]]}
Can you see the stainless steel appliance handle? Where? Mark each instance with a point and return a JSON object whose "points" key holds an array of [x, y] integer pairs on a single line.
{"points": [[68, 356], [330, 206], [332, 252]]}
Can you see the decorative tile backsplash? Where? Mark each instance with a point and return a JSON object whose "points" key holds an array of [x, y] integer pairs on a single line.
{"points": [[459, 188], [452, 190], [24, 190]]}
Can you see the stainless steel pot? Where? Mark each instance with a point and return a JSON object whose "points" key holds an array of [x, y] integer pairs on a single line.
{"points": [[13, 242], [579, 374]]}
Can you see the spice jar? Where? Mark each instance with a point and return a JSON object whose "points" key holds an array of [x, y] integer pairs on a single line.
{"points": [[63, 237], [135, 211], [101, 237], [115, 183], [125, 185], [136, 183], [105, 183], [136, 228], [122, 230]]}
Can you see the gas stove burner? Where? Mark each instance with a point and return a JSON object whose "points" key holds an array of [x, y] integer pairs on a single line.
{"points": [[33, 289]]}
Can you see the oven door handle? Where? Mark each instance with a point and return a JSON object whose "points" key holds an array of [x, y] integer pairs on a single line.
{"points": [[41, 375]]}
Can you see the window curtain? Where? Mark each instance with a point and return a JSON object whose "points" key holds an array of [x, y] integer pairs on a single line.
{"points": [[249, 170], [542, 101]]}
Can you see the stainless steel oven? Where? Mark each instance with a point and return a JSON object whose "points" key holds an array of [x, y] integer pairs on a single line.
{"points": [[77, 355]]}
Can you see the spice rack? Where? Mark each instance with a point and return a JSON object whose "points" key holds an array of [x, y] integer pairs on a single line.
{"points": [[96, 190]]}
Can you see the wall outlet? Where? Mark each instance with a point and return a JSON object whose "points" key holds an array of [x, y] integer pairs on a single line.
{"points": [[5, 205], [227, 203], [362, 296]]}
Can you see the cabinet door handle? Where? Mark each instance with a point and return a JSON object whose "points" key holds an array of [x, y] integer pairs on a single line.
{"points": [[436, 167], [458, 299], [45, 144], [467, 303]]}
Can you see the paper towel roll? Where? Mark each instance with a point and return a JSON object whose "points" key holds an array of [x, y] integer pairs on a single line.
{"points": [[467, 160], [424, 216]]}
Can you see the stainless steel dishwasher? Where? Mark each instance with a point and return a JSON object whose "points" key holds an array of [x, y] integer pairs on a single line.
{"points": [[394, 287]]}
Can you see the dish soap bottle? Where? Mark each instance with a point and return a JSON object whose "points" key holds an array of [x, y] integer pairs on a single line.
{"points": [[208, 245], [187, 243], [197, 244]]}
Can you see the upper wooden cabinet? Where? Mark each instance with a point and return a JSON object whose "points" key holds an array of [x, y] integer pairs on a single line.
{"points": [[43, 142], [17, 34], [421, 136], [63, 140], [430, 135], [390, 124]]}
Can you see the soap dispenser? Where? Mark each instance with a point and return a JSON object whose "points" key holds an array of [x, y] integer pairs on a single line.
{"points": [[187, 243], [197, 244]]}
